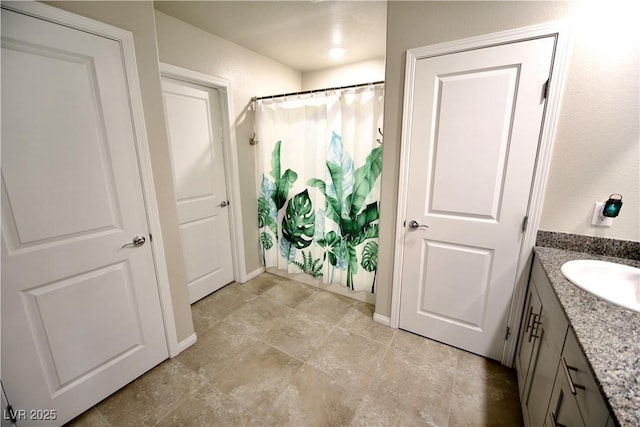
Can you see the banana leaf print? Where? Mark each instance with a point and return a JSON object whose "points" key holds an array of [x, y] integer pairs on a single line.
{"points": [[356, 223], [282, 182]]}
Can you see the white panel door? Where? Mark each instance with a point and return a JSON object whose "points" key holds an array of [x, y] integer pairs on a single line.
{"points": [[475, 122], [194, 119], [81, 314]]}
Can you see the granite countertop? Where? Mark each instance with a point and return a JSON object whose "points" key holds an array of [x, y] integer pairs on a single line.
{"points": [[608, 334]]}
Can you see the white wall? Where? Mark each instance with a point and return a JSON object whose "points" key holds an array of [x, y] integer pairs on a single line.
{"points": [[356, 73], [596, 150], [251, 75], [597, 145]]}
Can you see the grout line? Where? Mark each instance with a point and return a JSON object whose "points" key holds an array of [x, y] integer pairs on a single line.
{"points": [[102, 417]]}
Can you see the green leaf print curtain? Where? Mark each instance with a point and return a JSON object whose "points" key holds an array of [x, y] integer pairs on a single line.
{"points": [[319, 163]]}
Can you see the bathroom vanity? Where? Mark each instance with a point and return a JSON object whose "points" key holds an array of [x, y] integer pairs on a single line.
{"points": [[578, 357]]}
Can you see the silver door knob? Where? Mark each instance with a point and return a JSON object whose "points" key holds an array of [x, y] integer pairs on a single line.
{"points": [[413, 224], [224, 204], [137, 241]]}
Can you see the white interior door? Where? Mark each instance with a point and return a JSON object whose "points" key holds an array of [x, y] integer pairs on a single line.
{"points": [[81, 314], [195, 130], [474, 125]]}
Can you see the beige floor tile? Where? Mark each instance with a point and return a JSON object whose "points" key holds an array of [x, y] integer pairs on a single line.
{"points": [[90, 418], [431, 351], [484, 406], [485, 393], [313, 398], [216, 348], [288, 292], [218, 305], [152, 396], [327, 306], [359, 319], [256, 379], [209, 407], [381, 412], [275, 352], [416, 386], [257, 317], [476, 370], [349, 358], [299, 334], [262, 283]]}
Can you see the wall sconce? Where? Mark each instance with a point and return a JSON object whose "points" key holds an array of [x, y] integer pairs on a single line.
{"points": [[612, 206]]}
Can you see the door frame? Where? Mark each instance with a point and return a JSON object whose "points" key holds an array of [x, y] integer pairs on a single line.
{"points": [[558, 29], [125, 39], [230, 156]]}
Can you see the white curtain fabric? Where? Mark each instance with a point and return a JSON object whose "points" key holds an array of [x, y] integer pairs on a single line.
{"points": [[319, 163]]}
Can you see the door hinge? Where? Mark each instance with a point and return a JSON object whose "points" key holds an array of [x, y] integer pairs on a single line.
{"points": [[525, 222], [506, 335], [545, 89]]}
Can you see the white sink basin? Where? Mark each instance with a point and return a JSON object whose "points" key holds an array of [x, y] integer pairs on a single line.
{"points": [[616, 283]]}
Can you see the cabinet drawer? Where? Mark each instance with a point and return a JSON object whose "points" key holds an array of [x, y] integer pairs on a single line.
{"points": [[587, 393], [563, 408]]}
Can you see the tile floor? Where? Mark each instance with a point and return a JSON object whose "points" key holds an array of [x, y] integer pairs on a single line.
{"points": [[273, 351]]}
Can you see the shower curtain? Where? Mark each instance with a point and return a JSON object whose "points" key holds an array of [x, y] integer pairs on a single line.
{"points": [[319, 163]]}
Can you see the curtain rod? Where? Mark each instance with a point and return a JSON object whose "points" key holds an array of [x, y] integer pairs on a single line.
{"points": [[257, 98]]}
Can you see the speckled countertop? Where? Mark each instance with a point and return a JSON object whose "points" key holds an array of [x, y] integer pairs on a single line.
{"points": [[608, 334]]}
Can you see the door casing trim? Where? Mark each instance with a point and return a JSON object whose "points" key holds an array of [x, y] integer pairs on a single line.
{"points": [[125, 39], [561, 31], [229, 146]]}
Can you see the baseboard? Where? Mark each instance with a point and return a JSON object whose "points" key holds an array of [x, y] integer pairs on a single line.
{"points": [[253, 274], [186, 343], [383, 320]]}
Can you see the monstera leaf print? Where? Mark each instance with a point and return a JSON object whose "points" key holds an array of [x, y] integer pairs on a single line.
{"points": [[273, 196], [266, 241], [298, 225], [370, 256]]}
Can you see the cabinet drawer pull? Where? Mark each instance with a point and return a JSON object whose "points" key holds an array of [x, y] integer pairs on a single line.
{"points": [[566, 368], [528, 321], [534, 326]]}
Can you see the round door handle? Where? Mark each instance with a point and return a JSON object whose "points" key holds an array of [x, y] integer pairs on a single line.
{"points": [[137, 241], [224, 204], [413, 224]]}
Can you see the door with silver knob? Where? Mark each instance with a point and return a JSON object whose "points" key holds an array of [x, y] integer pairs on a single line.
{"points": [[414, 225], [85, 315], [194, 118], [473, 126], [135, 242]]}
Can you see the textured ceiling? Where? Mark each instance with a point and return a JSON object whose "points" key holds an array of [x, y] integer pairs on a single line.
{"points": [[295, 33]]}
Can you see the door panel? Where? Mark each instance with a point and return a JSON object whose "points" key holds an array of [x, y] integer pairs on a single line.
{"points": [[445, 295], [475, 122], [195, 131], [474, 119], [81, 315]]}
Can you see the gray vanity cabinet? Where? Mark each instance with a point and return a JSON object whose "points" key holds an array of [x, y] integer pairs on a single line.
{"points": [[555, 382], [541, 338]]}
